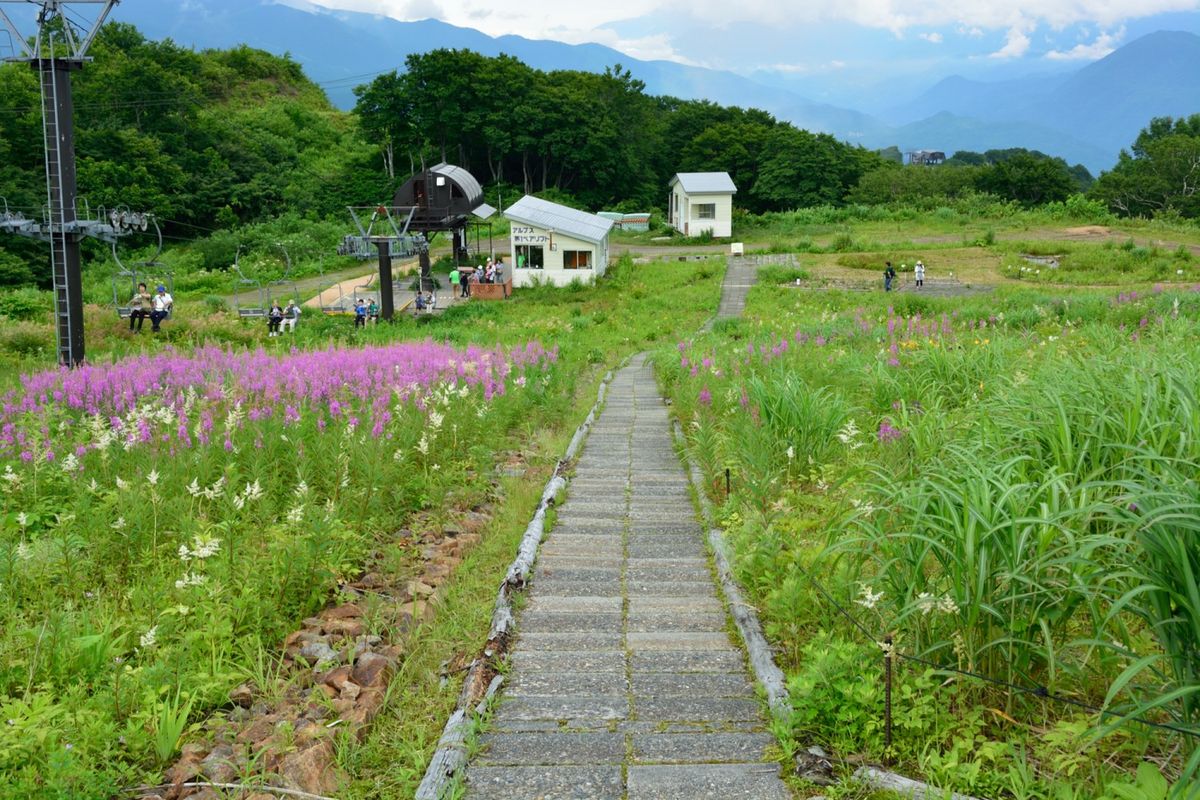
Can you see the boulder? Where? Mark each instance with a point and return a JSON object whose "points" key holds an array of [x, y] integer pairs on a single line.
{"points": [[371, 669]]}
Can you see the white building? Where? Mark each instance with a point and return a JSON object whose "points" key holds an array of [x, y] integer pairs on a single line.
{"points": [[555, 244], [701, 201]]}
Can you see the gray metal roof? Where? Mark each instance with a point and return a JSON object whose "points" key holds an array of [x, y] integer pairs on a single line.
{"points": [[561, 219], [465, 181], [705, 182], [483, 211]]}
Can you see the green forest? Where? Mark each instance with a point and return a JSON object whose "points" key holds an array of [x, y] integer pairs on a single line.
{"points": [[217, 140]]}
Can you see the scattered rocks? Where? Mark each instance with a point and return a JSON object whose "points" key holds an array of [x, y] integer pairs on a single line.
{"points": [[334, 677], [813, 765]]}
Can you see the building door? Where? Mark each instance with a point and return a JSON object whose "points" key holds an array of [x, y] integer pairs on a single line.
{"points": [[419, 192]]}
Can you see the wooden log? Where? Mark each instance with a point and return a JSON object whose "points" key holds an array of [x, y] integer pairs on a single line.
{"points": [[905, 787]]}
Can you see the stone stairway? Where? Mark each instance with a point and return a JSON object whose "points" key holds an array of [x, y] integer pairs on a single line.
{"points": [[624, 682]]}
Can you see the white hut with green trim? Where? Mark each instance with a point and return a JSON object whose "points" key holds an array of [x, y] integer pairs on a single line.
{"points": [[556, 244]]}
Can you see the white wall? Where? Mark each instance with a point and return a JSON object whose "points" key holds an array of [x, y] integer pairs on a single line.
{"points": [[722, 226], [553, 271]]}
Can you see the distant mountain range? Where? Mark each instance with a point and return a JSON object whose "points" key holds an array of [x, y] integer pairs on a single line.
{"points": [[1085, 116]]}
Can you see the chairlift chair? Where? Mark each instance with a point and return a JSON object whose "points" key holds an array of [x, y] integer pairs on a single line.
{"points": [[131, 273], [363, 291], [247, 285], [325, 294], [286, 285]]}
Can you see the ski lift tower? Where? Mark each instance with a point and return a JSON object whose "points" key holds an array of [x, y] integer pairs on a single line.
{"points": [[58, 49]]}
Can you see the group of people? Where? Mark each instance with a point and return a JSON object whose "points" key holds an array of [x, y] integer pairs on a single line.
{"points": [[143, 305], [889, 275], [491, 272], [426, 302], [365, 312], [286, 318]]}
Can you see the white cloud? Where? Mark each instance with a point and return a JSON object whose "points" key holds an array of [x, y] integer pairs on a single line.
{"points": [[1016, 44], [1104, 44], [934, 37]]}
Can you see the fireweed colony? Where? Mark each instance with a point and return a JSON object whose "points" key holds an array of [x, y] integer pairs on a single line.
{"points": [[164, 512], [1007, 485]]}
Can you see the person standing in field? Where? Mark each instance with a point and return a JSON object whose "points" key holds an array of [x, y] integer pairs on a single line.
{"points": [[464, 283], [919, 273], [453, 280], [360, 313], [889, 275]]}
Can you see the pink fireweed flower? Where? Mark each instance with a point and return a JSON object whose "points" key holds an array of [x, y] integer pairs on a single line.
{"points": [[705, 397]]}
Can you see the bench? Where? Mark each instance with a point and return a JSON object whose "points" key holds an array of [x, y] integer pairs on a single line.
{"points": [[252, 313], [124, 312]]}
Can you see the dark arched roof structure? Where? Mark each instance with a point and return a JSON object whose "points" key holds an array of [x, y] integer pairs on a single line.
{"points": [[442, 197]]}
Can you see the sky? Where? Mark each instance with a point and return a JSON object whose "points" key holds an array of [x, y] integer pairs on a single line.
{"points": [[807, 39]]}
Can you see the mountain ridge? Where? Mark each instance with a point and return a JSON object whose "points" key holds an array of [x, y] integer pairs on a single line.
{"points": [[1056, 113]]}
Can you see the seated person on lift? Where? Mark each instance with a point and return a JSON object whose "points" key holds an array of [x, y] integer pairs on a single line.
{"points": [[139, 306], [163, 303]]}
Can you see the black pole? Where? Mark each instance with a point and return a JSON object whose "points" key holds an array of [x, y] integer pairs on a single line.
{"points": [[59, 121], [387, 304]]}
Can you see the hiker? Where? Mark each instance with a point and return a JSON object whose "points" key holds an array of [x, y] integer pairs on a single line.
{"points": [[420, 302], [489, 272], [499, 270], [889, 275], [373, 311], [431, 302], [163, 303], [464, 282], [291, 315], [139, 306], [360, 314], [919, 273], [274, 318], [454, 275]]}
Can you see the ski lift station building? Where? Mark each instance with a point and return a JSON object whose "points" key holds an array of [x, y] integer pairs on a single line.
{"points": [[701, 201], [555, 244]]}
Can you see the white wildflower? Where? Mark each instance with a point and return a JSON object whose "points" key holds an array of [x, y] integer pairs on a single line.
{"points": [[193, 488], [435, 420], [69, 463], [182, 610], [149, 638], [423, 445], [301, 489], [849, 434], [254, 491], [295, 515], [24, 551], [239, 502], [122, 485], [791, 452], [520, 382], [22, 519], [398, 455], [204, 547], [190, 579], [152, 478], [93, 487], [867, 598], [947, 605], [887, 647], [119, 525], [926, 602], [184, 553]]}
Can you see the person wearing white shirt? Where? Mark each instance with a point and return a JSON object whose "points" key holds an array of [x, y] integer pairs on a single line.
{"points": [[919, 273], [162, 305]]}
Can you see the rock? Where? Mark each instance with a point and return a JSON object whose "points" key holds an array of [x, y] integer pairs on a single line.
{"points": [[371, 669], [364, 643], [310, 770], [343, 707], [328, 691], [345, 627], [814, 766], [415, 613], [257, 732], [420, 589], [242, 696], [313, 622], [220, 766], [346, 611], [350, 690], [469, 540], [319, 654], [436, 572], [336, 677], [188, 766]]}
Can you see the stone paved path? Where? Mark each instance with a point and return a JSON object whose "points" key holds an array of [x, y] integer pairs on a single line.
{"points": [[624, 682]]}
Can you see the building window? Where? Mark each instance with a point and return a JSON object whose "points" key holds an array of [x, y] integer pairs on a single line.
{"points": [[705, 210], [577, 259], [530, 256]]}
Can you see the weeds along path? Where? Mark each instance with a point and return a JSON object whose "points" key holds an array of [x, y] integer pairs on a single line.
{"points": [[624, 681]]}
